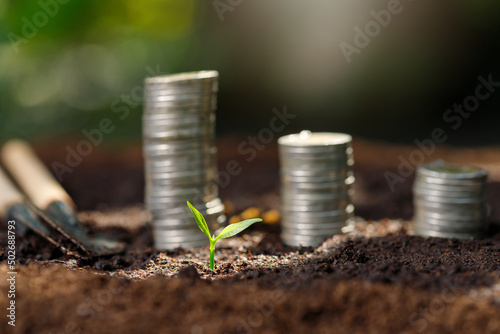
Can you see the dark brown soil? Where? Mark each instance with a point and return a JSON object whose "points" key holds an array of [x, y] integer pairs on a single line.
{"points": [[378, 279]]}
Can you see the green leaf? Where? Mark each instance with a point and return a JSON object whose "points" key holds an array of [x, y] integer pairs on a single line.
{"points": [[234, 229], [202, 224]]}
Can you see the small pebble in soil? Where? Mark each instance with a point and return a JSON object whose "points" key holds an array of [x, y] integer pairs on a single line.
{"points": [[189, 272]]}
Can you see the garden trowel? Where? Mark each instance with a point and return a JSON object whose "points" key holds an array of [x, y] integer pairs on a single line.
{"points": [[50, 200]]}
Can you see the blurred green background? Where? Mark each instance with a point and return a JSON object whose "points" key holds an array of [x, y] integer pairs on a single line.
{"points": [[65, 65]]}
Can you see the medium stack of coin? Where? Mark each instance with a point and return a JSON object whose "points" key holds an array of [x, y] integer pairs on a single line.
{"points": [[180, 156], [315, 186], [449, 201]]}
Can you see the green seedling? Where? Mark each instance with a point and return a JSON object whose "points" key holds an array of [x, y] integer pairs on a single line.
{"points": [[227, 232]]}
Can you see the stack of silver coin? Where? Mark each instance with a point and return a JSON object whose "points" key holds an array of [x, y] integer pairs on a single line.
{"points": [[449, 201], [316, 178], [180, 156]]}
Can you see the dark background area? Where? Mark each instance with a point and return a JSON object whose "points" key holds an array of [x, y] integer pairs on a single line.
{"points": [[66, 66]]}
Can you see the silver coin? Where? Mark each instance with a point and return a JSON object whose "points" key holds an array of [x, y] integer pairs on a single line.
{"points": [[175, 122], [168, 166], [453, 194], [464, 215], [325, 230], [430, 225], [173, 101], [157, 205], [187, 78], [208, 189], [181, 133], [290, 220], [164, 158], [315, 223], [447, 221], [449, 206], [332, 186], [286, 197], [180, 160], [315, 157], [157, 198], [165, 150], [343, 175], [184, 86], [307, 140], [181, 212], [316, 206], [318, 214], [313, 192], [163, 245], [181, 104], [292, 172], [449, 182], [164, 102], [185, 118], [442, 170], [437, 234], [293, 167], [213, 221], [174, 220], [448, 200], [196, 165], [158, 194], [179, 111], [210, 85], [439, 184], [172, 190], [166, 197], [302, 241], [206, 174], [174, 174], [153, 157], [156, 90], [168, 125], [161, 235], [178, 206], [314, 232], [165, 95], [188, 231], [331, 172], [176, 117], [186, 181]]}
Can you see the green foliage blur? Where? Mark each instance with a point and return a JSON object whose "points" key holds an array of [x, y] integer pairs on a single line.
{"points": [[67, 64], [63, 63]]}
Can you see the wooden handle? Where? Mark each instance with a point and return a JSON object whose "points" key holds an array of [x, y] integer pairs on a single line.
{"points": [[9, 194], [32, 175]]}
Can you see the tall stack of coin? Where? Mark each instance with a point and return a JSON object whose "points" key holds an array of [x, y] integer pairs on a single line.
{"points": [[180, 156], [315, 186], [449, 201]]}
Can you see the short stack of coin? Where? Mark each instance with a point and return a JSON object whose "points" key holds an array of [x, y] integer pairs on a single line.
{"points": [[449, 201], [180, 156], [315, 186]]}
